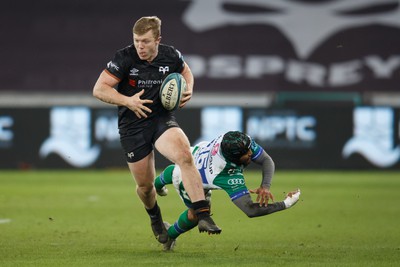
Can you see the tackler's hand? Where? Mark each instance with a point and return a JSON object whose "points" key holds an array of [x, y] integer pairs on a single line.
{"points": [[263, 195]]}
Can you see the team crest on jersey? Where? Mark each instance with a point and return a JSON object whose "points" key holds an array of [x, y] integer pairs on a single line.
{"points": [[163, 69], [231, 171]]}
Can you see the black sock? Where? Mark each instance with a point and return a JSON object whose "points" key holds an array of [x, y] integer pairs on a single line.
{"points": [[154, 213], [201, 208]]}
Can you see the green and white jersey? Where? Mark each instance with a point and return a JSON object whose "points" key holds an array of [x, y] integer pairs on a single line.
{"points": [[217, 172]]}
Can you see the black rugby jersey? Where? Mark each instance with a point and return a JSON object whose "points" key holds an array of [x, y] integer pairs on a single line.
{"points": [[136, 74]]}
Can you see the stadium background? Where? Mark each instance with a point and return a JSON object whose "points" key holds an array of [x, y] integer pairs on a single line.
{"points": [[315, 82]]}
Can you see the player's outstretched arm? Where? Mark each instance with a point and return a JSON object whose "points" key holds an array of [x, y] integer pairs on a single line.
{"points": [[253, 209], [268, 168], [263, 195]]}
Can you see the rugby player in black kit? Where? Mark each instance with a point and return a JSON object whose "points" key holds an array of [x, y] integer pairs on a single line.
{"points": [[132, 81]]}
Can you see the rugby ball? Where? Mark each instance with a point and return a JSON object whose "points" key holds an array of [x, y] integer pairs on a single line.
{"points": [[171, 90]]}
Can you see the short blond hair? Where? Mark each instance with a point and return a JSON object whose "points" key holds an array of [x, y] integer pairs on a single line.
{"points": [[145, 24]]}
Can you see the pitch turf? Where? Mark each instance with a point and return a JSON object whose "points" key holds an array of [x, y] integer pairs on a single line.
{"points": [[94, 218]]}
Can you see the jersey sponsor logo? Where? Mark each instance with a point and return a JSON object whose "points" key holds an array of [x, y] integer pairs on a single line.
{"points": [[132, 82], [134, 72], [210, 166], [215, 149], [148, 83], [163, 69], [112, 65], [236, 181]]}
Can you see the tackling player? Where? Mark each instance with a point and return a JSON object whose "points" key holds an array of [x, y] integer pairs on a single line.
{"points": [[221, 163]]}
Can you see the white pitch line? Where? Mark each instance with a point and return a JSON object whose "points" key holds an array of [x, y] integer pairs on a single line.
{"points": [[5, 220], [93, 198]]}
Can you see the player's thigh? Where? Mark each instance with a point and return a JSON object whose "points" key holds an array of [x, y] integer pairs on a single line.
{"points": [[174, 145]]}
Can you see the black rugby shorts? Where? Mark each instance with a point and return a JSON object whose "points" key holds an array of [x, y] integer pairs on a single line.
{"points": [[139, 144]]}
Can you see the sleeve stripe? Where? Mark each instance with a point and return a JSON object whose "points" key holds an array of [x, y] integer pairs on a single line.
{"points": [[239, 194], [109, 73], [259, 152]]}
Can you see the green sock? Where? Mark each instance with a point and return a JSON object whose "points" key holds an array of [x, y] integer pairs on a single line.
{"points": [[182, 225], [165, 177]]}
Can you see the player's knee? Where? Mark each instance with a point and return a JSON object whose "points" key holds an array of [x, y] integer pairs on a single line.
{"points": [[145, 189]]}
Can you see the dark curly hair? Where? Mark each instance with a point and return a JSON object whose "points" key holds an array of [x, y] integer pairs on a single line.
{"points": [[234, 145]]}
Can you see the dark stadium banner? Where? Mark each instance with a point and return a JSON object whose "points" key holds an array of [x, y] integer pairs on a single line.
{"points": [[239, 46], [324, 137]]}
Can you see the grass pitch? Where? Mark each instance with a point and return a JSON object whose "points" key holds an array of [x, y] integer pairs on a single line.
{"points": [[94, 218]]}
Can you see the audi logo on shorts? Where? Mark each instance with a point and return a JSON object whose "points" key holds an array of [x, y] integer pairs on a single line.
{"points": [[235, 181]]}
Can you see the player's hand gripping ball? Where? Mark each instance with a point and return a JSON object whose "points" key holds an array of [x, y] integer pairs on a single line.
{"points": [[171, 91]]}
